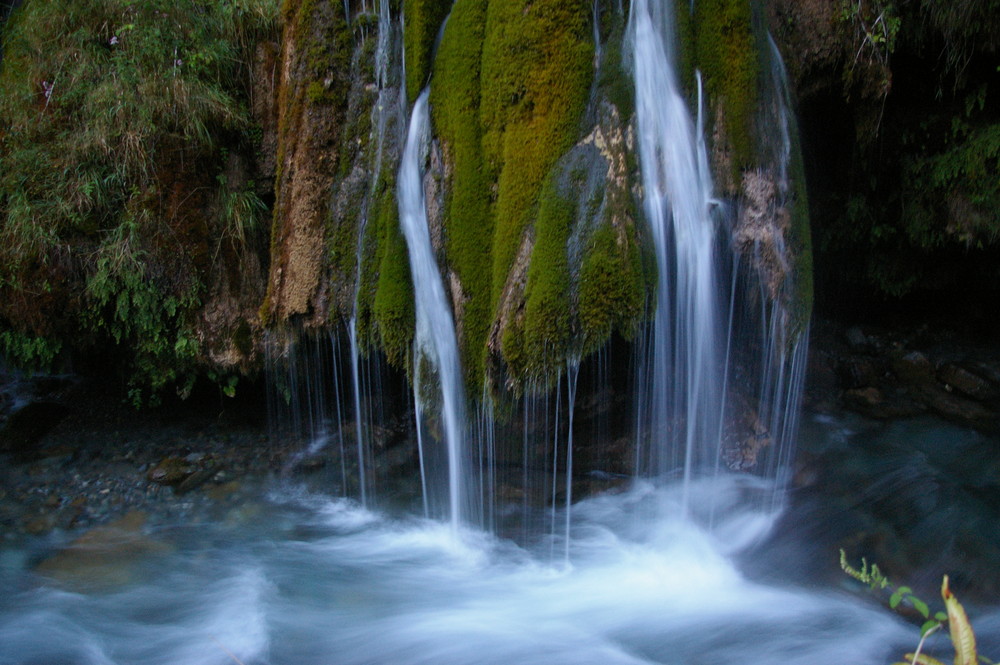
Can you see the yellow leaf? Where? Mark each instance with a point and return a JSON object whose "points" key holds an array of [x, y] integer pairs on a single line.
{"points": [[962, 637]]}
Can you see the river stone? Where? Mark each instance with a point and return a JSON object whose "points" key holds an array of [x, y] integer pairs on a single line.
{"points": [[874, 403], [959, 408], [171, 471], [966, 382], [914, 368], [38, 525], [195, 480], [103, 558], [859, 372], [856, 339]]}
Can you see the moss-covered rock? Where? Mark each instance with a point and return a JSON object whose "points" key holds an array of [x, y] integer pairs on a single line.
{"points": [[423, 22], [547, 314], [728, 55], [393, 308], [468, 223], [536, 71], [317, 44]]}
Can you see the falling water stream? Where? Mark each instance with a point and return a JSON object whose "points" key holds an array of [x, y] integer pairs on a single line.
{"points": [[435, 330], [685, 397]]}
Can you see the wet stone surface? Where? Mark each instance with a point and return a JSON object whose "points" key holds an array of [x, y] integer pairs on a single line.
{"points": [[101, 460]]}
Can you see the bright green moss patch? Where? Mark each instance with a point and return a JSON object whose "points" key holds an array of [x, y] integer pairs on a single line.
{"points": [[393, 308], [727, 55], [536, 73], [423, 21], [611, 293], [468, 222], [547, 332]]}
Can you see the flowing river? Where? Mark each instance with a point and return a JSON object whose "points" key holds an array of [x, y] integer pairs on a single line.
{"points": [[299, 577]]}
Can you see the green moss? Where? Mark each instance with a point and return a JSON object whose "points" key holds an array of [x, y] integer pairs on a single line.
{"points": [[685, 45], [511, 81], [727, 55], [317, 93], [614, 82], [423, 21], [611, 290], [536, 73], [351, 197], [393, 307], [547, 333], [468, 222], [371, 259]]}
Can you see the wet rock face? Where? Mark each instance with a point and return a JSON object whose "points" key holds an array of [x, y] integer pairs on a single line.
{"points": [[26, 426], [897, 374], [761, 232]]}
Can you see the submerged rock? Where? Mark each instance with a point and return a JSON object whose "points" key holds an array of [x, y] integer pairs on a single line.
{"points": [[171, 471], [103, 558]]}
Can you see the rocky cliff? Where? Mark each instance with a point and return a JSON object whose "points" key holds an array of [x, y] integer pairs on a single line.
{"points": [[156, 247]]}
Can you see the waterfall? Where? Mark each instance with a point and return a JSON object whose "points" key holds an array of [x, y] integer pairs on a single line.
{"points": [[684, 399], [386, 105], [435, 330], [721, 356]]}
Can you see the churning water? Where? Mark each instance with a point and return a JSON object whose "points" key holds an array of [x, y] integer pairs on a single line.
{"points": [[315, 580], [298, 578]]}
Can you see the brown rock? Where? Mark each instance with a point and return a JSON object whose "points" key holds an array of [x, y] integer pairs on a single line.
{"points": [[873, 403], [958, 408], [966, 382], [104, 557], [171, 471], [913, 368], [38, 525]]}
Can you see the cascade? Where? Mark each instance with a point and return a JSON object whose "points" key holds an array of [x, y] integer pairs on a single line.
{"points": [[683, 396], [475, 470], [784, 349], [572, 376], [435, 339]]}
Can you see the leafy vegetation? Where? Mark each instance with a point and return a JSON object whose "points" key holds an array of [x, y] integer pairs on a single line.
{"points": [[909, 213], [963, 638], [117, 118]]}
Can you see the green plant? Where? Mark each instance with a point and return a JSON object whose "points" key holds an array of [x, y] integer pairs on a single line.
{"points": [[963, 637], [116, 116]]}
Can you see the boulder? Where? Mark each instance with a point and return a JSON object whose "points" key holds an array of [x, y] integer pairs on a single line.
{"points": [[966, 382], [103, 558], [913, 368], [171, 471], [26, 426]]}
